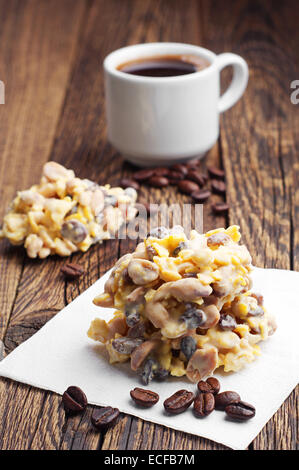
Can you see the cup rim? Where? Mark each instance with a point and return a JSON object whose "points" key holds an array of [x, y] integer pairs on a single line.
{"points": [[117, 57]]}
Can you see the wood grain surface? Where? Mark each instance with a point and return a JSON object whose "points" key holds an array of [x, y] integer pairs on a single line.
{"points": [[51, 66]]}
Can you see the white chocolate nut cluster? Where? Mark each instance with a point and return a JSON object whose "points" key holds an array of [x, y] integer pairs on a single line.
{"points": [[184, 306], [64, 214]]}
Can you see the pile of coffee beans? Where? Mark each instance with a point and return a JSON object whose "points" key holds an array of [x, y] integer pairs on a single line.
{"points": [[187, 177], [204, 402], [74, 401]]}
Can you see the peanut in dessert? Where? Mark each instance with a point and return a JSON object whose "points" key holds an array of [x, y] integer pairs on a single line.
{"points": [[63, 214], [184, 306]]}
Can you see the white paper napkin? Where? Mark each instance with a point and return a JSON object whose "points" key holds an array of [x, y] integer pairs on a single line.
{"points": [[61, 354]]}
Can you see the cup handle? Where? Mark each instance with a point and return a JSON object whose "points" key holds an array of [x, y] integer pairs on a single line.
{"points": [[239, 81]]}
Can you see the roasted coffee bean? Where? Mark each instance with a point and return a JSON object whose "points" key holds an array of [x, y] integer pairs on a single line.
{"points": [[240, 411], [145, 398], [214, 384], [204, 387], [227, 322], [181, 246], [159, 232], [175, 175], [178, 402], [146, 371], [186, 275], [201, 196], [196, 176], [137, 331], [220, 208], [226, 398], [74, 400], [143, 175], [158, 181], [259, 298], [218, 186], [216, 172], [74, 231], [187, 187], [126, 345], [128, 183], [204, 404], [104, 417], [188, 346], [193, 316], [132, 315], [161, 171], [72, 270], [180, 168]]}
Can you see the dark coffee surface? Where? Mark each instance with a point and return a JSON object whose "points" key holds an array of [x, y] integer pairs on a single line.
{"points": [[165, 66]]}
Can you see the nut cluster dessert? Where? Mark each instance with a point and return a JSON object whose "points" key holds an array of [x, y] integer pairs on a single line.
{"points": [[64, 214], [184, 306]]}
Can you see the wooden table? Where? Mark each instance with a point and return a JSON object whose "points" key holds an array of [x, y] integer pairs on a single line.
{"points": [[50, 62]]}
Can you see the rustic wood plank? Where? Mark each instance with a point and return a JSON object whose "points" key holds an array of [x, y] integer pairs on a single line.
{"points": [[35, 66], [260, 145], [34, 96]]}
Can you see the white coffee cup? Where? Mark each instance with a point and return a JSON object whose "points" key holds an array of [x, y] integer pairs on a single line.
{"points": [[165, 120]]}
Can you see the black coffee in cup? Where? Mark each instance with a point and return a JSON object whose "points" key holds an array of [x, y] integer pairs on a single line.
{"points": [[165, 65]]}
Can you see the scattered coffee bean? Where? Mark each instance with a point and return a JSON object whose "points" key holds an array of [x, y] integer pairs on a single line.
{"points": [[158, 181], [180, 168], [204, 404], [74, 400], [226, 398], [104, 417], [218, 186], [201, 196], [161, 171], [214, 384], [72, 270], [178, 402], [145, 398], [220, 208], [195, 176], [175, 176], [216, 172], [240, 411], [128, 183], [227, 322], [187, 187], [188, 346], [204, 387], [143, 175]]}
